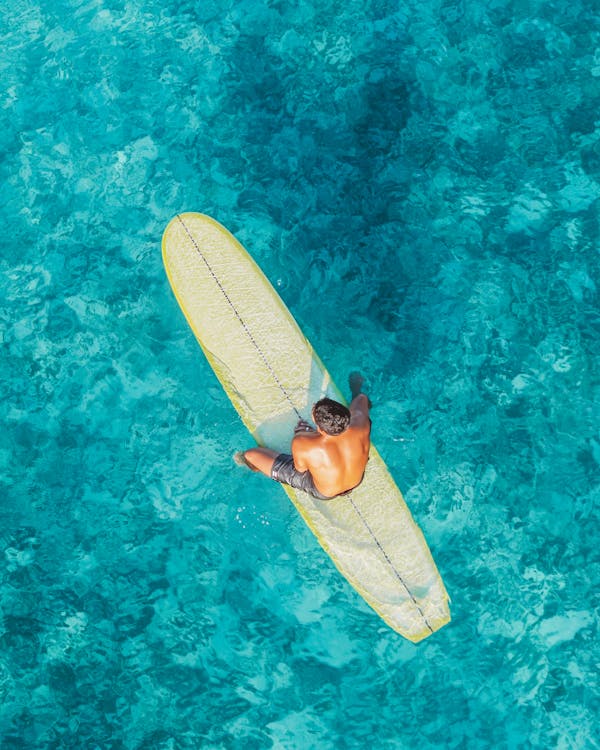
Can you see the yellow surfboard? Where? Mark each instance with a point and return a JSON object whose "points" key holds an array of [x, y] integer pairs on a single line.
{"points": [[272, 376]]}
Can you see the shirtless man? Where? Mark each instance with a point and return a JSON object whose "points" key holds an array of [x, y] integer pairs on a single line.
{"points": [[325, 462]]}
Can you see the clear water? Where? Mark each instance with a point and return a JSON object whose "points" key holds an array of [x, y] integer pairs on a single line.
{"points": [[421, 181]]}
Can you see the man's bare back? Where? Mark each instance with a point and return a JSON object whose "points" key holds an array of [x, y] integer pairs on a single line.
{"points": [[336, 462], [329, 460]]}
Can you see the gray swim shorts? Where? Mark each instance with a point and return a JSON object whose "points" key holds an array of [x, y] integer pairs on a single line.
{"points": [[285, 472]]}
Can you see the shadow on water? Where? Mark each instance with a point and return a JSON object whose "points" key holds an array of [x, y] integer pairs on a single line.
{"points": [[331, 152]]}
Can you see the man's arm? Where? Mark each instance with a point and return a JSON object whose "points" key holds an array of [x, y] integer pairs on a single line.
{"points": [[360, 404], [300, 445], [355, 381]]}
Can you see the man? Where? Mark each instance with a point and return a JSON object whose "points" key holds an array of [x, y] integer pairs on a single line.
{"points": [[325, 462]]}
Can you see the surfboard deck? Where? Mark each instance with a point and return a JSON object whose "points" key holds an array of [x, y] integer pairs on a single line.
{"points": [[272, 376]]}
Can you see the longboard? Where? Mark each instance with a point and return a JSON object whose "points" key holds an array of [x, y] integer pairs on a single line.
{"points": [[272, 376]]}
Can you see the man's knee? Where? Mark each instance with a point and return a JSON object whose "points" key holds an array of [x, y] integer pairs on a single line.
{"points": [[261, 459]]}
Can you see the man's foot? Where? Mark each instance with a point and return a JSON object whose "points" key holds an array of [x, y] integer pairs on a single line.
{"points": [[240, 459]]}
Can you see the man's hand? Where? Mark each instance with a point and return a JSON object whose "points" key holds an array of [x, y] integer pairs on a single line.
{"points": [[355, 380], [303, 426]]}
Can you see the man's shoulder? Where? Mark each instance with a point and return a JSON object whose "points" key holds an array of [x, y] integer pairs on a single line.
{"points": [[306, 441]]}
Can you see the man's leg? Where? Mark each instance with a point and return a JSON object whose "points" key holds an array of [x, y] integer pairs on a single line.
{"points": [[258, 459]]}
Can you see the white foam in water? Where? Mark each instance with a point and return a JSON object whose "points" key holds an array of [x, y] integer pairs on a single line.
{"points": [[303, 728], [561, 628]]}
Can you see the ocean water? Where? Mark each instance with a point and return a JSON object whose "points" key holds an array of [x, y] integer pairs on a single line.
{"points": [[421, 182]]}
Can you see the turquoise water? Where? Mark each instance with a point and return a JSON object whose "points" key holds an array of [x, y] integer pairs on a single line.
{"points": [[421, 182]]}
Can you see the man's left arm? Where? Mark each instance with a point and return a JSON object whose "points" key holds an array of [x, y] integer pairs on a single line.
{"points": [[300, 447]]}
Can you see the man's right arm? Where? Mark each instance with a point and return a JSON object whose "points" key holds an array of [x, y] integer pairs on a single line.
{"points": [[355, 381], [360, 405]]}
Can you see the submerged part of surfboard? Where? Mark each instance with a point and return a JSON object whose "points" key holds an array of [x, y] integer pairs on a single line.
{"points": [[272, 375]]}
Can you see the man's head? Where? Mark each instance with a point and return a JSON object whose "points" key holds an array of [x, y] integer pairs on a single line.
{"points": [[330, 417]]}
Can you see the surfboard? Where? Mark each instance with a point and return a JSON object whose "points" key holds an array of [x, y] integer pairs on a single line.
{"points": [[273, 377]]}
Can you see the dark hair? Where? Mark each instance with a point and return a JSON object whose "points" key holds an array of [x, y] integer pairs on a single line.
{"points": [[331, 417]]}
